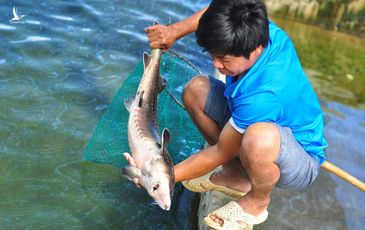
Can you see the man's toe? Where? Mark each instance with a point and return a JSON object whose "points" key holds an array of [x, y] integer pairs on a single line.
{"points": [[217, 219]]}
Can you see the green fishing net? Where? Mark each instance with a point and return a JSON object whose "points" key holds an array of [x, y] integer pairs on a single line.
{"points": [[110, 138]]}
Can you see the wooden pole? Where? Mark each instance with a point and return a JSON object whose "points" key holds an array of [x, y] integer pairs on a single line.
{"points": [[344, 175]]}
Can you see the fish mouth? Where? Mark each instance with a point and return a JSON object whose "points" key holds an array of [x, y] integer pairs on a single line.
{"points": [[165, 207], [164, 204]]}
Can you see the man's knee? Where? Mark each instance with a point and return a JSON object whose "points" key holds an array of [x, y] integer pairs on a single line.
{"points": [[196, 91], [261, 142]]}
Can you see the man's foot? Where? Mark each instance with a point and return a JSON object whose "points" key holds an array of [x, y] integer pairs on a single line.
{"points": [[230, 179], [204, 184], [232, 176], [232, 216], [250, 206]]}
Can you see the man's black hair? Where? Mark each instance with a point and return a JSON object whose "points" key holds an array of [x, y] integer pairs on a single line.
{"points": [[233, 27]]}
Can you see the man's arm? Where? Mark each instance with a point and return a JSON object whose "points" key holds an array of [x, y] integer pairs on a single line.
{"points": [[161, 36], [208, 159]]}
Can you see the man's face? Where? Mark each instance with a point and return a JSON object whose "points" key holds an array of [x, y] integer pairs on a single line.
{"points": [[235, 66]]}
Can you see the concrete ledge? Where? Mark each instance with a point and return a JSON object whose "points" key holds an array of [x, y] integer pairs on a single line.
{"points": [[209, 202]]}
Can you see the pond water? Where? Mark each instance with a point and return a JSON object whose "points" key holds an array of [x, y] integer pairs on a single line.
{"points": [[59, 71]]}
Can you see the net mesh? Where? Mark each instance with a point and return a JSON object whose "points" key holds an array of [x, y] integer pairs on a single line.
{"points": [[110, 138]]}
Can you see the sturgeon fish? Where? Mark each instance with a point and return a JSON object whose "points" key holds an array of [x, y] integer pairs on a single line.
{"points": [[151, 164]]}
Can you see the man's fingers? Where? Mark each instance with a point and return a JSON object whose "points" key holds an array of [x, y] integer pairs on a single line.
{"points": [[127, 156], [159, 45], [154, 31], [156, 44], [130, 159], [150, 28], [155, 37], [136, 182], [164, 49]]}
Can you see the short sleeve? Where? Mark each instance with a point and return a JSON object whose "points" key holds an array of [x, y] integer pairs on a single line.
{"points": [[259, 107]]}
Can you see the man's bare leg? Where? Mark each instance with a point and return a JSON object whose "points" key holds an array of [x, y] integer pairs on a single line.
{"points": [[259, 149], [195, 96]]}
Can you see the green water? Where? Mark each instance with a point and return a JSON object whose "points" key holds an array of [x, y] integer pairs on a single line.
{"points": [[334, 61], [58, 74]]}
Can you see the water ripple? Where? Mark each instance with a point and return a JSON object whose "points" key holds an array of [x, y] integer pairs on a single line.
{"points": [[33, 22], [91, 9], [140, 15], [61, 17], [6, 27], [32, 39], [139, 36], [59, 171], [57, 121], [87, 30]]}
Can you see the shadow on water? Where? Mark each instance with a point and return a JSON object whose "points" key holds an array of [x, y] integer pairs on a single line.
{"points": [[61, 68]]}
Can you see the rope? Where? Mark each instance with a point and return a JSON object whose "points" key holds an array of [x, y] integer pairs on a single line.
{"points": [[186, 60], [182, 58], [175, 99], [192, 65]]}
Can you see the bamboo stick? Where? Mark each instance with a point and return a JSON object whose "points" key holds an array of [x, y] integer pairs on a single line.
{"points": [[344, 175]]}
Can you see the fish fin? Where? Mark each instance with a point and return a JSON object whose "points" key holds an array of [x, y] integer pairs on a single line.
{"points": [[146, 60], [140, 98], [165, 137], [131, 172], [163, 83], [128, 102], [155, 22]]}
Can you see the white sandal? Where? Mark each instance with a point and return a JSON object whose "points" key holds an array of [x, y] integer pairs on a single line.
{"points": [[234, 218], [203, 184]]}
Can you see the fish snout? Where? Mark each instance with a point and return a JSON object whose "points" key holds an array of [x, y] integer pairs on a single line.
{"points": [[163, 200], [167, 207], [166, 203]]}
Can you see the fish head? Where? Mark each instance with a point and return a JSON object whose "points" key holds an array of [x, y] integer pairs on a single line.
{"points": [[160, 185]]}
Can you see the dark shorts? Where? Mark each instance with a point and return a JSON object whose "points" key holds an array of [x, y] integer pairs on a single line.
{"points": [[297, 168]]}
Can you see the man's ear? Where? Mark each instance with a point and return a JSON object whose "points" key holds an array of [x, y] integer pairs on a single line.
{"points": [[257, 52]]}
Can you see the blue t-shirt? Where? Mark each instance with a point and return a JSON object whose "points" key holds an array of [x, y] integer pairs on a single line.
{"points": [[276, 89]]}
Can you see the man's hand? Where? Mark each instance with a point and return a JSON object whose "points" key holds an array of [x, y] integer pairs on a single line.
{"points": [[131, 161], [161, 36], [204, 161]]}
